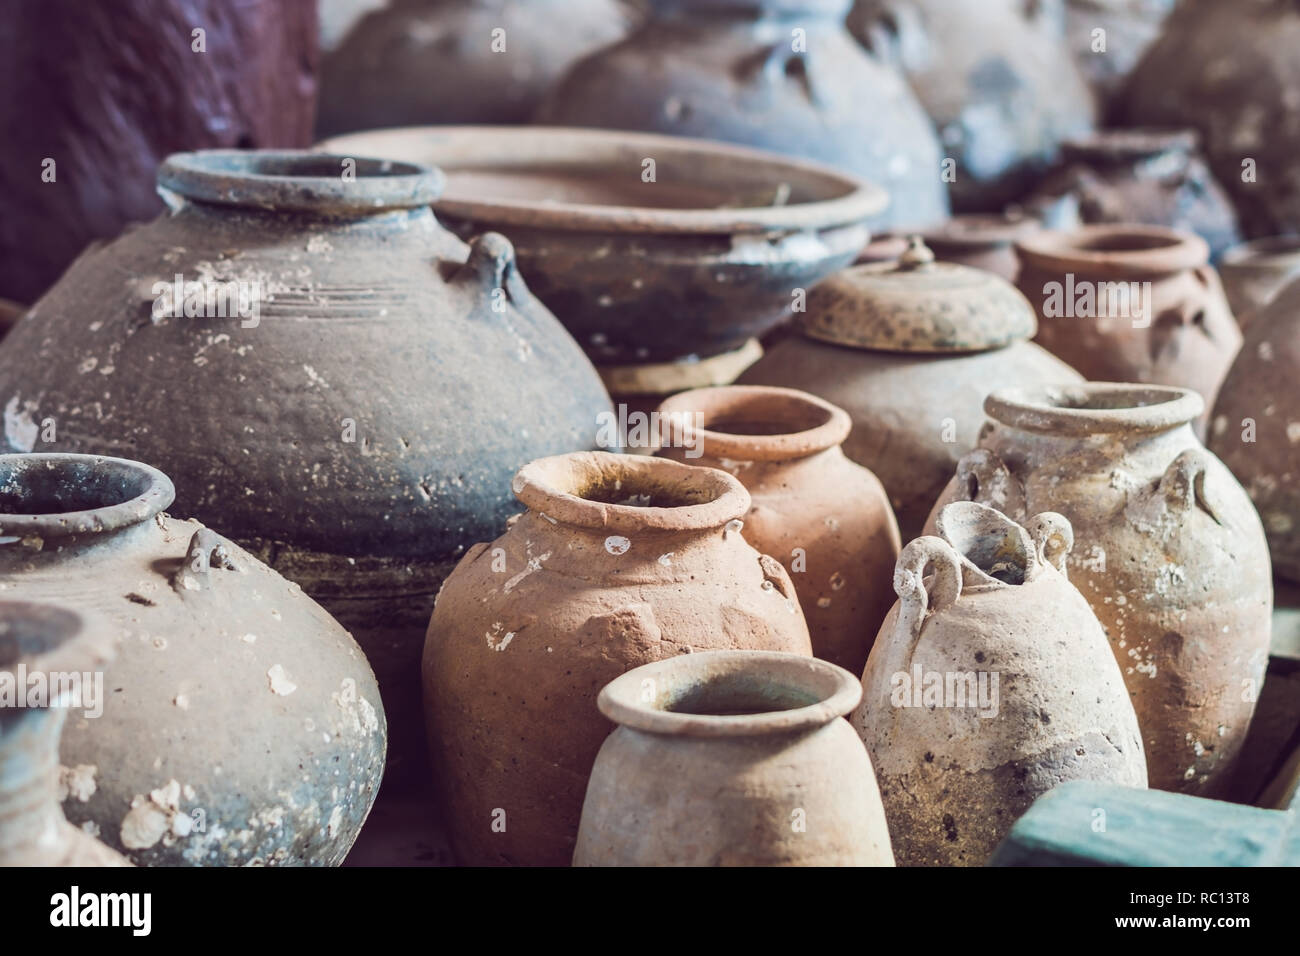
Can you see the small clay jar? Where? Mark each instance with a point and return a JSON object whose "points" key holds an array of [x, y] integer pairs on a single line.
{"points": [[909, 349], [1253, 273], [732, 758], [1168, 551], [619, 560], [1130, 303], [990, 683], [45, 646], [981, 240], [825, 518]]}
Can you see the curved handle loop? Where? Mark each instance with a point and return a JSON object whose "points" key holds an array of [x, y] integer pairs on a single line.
{"points": [[1053, 538], [932, 554], [1183, 483], [984, 478], [207, 550]]}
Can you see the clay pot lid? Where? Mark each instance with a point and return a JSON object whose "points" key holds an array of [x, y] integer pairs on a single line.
{"points": [[1128, 144], [1114, 251], [918, 305], [590, 180], [1094, 408], [1271, 252], [972, 231], [752, 423], [50, 639], [61, 495]]}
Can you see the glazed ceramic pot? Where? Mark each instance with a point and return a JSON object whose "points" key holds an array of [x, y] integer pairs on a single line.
{"points": [[348, 403], [1256, 425], [1168, 550], [825, 518], [1253, 273], [1129, 303], [650, 249], [909, 349], [44, 646], [980, 240], [990, 683], [458, 61], [1128, 28], [619, 560], [1229, 70], [1149, 176], [780, 74], [996, 79], [243, 725], [732, 758]]}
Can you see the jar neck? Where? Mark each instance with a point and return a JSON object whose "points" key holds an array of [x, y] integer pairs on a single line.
{"points": [[30, 816]]}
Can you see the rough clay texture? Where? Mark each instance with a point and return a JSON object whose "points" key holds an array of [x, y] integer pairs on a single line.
{"points": [[953, 781], [529, 627]]}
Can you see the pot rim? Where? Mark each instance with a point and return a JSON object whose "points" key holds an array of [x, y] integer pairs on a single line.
{"points": [[741, 403], [458, 147], [1142, 250], [1090, 408], [837, 691], [154, 492], [264, 179], [1263, 253], [550, 486], [1130, 142], [979, 230]]}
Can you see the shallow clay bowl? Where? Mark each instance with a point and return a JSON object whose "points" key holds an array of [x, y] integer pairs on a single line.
{"points": [[649, 248]]}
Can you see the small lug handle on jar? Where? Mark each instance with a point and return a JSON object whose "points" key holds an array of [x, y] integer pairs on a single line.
{"points": [[491, 264], [207, 550], [774, 573], [984, 478], [1183, 483], [1053, 538], [927, 553], [777, 62]]}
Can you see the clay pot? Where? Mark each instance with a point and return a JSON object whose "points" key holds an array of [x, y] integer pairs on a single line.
{"points": [[1229, 70], [732, 758], [982, 241], [995, 77], [780, 74], [1256, 425], [619, 560], [243, 725], [909, 350], [1149, 176], [43, 646], [709, 253], [1253, 273], [1130, 303], [825, 518], [458, 61], [358, 429], [1167, 549], [990, 683], [1130, 26]]}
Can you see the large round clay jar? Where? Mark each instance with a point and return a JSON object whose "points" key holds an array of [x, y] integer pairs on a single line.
{"points": [[1255, 428], [417, 62], [240, 723], [1253, 273], [619, 560], [825, 518], [1130, 303], [1168, 550], [732, 758], [981, 240], [353, 420], [780, 74], [991, 682], [909, 349]]}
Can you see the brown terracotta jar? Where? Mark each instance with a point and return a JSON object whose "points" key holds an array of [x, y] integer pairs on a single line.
{"points": [[732, 758], [909, 349], [825, 518], [991, 682], [1168, 550], [1256, 425], [981, 240], [619, 560], [44, 646], [1130, 303], [1253, 273]]}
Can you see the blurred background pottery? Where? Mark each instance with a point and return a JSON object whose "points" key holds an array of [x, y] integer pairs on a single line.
{"points": [[981, 240], [1107, 59], [1253, 273]]}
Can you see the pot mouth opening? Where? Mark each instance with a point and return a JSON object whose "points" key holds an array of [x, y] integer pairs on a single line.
{"points": [[1094, 408], [58, 495], [1115, 250], [987, 540], [751, 423], [978, 229], [730, 694]]}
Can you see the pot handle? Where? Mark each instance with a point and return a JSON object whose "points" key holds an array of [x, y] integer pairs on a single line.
{"points": [[777, 62], [491, 267], [1183, 483], [984, 478], [207, 550], [1053, 538], [928, 553]]}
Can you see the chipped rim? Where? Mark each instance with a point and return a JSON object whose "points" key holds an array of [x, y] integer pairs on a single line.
{"points": [[1117, 407], [753, 403], [69, 640], [836, 693], [154, 492]]}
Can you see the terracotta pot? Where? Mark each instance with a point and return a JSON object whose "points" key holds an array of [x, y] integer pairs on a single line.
{"points": [[620, 560], [1130, 304], [694, 263], [43, 646], [300, 430], [1229, 70], [443, 61], [1149, 176], [1167, 549], [825, 518], [990, 683], [1256, 426], [732, 758], [1130, 26], [243, 724], [982, 241], [781, 74], [909, 350], [995, 77], [1253, 273]]}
